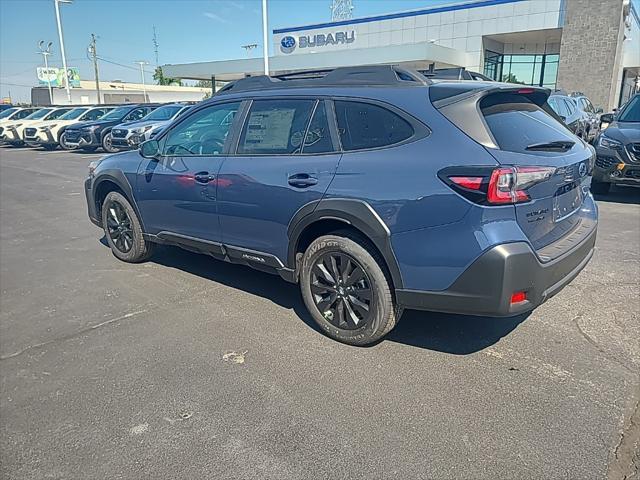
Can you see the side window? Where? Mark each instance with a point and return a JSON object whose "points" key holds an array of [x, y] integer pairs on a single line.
{"points": [[92, 115], [134, 115], [584, 105], [203, 133], [571, 108], [23, 113], [275, 127], [589, 106], [364, 125], [318, 139], [57, 114]]}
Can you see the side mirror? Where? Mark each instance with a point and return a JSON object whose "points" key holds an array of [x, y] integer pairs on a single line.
{"points": [[606, 118], [599, 110], [150, 149]]}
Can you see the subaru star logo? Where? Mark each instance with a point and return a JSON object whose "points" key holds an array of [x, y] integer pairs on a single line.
{"points": [[287, 44], [582, 169]]}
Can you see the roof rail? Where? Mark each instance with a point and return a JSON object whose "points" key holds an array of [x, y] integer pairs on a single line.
{"points": [[367, 75]]}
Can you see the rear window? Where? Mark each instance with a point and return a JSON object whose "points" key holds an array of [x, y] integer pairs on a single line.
{"points": [[364, 125], [516, 123]]}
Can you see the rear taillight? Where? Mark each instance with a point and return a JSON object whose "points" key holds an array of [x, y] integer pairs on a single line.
{"points": [[495, 186]]}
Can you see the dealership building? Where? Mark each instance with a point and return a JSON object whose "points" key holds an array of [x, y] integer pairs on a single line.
{"points": [[592, 46]]}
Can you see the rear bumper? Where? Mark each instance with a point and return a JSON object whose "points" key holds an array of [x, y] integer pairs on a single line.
{"points": [[485, 288]]}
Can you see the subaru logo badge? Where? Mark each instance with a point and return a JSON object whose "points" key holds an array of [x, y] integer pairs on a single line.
{"points": [[287, 44], [582, 169]]}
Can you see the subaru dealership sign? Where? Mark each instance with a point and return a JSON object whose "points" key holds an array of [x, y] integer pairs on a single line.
{"points": [[289, 43]]}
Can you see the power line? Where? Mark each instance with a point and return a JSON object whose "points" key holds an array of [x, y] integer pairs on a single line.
{"points": [[15, 84], [102, 59]]}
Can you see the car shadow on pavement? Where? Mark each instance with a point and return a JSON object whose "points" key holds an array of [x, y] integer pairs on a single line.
{"points": [[621, 194], [448, 333]]}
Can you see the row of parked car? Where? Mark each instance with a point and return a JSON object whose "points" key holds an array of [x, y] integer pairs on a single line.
{"points": [[110, 127]]}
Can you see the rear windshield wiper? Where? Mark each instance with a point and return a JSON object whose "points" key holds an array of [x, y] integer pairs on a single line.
{"points": [[557, 146]]}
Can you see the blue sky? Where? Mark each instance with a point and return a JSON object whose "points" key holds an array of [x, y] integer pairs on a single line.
{"points": [[188, 30]]}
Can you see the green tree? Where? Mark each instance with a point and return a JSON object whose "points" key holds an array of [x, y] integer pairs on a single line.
{"points": [[159, 77], [511, 78]]}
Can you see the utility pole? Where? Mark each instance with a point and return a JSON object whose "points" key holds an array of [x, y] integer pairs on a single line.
{"points": [[45, 53], [64, 57], [249, 47], [142, 63], [94, 55], [265, 44], [155, 44]]}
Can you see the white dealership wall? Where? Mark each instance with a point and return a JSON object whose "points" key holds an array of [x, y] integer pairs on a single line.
{"points": [[455, 34], [460, 26]]}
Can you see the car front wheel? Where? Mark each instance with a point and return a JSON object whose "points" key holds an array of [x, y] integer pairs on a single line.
{"points": [[346, 291], [64, 144], [107, 144], [123, 230]]}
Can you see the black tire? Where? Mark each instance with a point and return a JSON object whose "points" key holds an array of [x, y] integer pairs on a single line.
{"points": [[63, 142], [359, 325], [123, 231], [107, 146], [600, 188]]}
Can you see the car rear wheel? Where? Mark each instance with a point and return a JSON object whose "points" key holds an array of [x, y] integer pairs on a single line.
{"points": [[107, 144], [600, 188], [123, 230], [346, 291]]}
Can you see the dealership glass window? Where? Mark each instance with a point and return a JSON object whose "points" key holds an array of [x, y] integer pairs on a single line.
{"points": [[275, 127], [535, 69], [364, 125]]}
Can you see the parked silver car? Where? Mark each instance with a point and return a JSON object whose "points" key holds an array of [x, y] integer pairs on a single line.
{"points": [[129, 135]]}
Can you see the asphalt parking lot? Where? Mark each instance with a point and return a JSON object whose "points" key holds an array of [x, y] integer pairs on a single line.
{"points": [[184, 367]]}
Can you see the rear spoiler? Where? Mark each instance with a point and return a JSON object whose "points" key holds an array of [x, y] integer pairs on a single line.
{"points": [[446, 93]]}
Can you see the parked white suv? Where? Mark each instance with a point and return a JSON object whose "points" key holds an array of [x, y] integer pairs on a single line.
{"points": [[48, 133], [13, 133], [12, 115]]}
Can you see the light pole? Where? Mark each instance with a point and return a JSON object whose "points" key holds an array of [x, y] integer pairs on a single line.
{"points": [[45, 53], [265, 45], [142, 63], [64, 57]]}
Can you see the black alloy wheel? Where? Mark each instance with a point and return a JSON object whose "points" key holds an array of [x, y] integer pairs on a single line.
{"points": [[119, 226], [342, 291]]}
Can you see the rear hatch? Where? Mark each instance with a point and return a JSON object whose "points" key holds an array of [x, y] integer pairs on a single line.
{"points": [[549, 167]]}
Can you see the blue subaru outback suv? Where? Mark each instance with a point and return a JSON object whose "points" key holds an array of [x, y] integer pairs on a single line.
{"points": [[372, 187]]}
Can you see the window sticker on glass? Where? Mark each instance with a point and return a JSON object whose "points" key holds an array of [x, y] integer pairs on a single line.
{"points": [[278, 122]]}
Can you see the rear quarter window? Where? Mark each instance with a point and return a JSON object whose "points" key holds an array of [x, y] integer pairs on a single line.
{"points": [[516, 123], [364, 125]]}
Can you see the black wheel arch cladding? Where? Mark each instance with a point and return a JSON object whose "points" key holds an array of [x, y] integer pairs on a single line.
{"points": [[352, 212]]}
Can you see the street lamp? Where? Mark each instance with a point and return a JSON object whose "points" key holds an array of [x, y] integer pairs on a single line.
{"points": [[265, 45], [45, 52], [142, 63], [64, 57]]}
